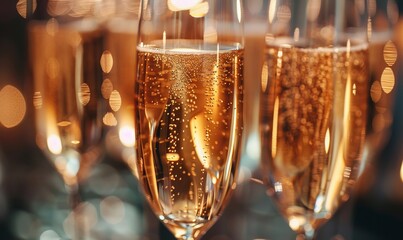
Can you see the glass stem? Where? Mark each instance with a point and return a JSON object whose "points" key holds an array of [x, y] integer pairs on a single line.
{"points": [[188, 234]]}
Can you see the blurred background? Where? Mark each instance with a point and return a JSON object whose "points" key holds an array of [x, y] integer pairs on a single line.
{"points": [[34, 202]]}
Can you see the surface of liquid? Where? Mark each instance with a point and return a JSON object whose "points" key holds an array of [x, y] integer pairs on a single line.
{"points": [[190, 124], [313, 120]]}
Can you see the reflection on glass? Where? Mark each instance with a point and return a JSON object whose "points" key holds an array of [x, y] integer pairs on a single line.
{"points": [[313, 107]]}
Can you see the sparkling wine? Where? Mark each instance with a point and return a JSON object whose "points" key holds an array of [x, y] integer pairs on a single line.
{"points": [[313, 120], [67, 74], [190, 124]]}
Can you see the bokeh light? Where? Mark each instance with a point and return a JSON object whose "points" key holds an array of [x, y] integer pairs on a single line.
{"points": [[376, 91], [106, 61], [22, 7], [112, 210], [49, 234], [109, 119], [127, 136], [388, 80], [115, 101], [200, 10], [84, 94], [13, 106], [401, 172], [390, 53], [106, 180], [179, 5], [106, 88], [37, 100], [58, 7]]}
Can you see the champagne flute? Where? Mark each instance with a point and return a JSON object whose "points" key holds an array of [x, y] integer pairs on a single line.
{"points": [[314, 106], [65, 52], [189, 109], [382, 58]]}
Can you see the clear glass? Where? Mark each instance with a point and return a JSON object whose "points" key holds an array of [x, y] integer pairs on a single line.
{"points": [[313, 108], [67, 66], [118, 84], [383, 56], [189, 97]]}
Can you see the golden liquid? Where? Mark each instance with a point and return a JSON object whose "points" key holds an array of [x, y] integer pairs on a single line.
{"points": [[313, 120], [190, 124], [66, 76]]}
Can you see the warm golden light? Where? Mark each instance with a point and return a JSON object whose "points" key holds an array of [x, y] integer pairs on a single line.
{"points": [[388, 80], [173, 157], [81, 8], [64, 123], [106, 61], [84, 94], [115, 101], [53, 68], [109, 119], [22, 7], [198, 126], [274, 130], [272, 10], [106, 88], [179, 5], [13, 106], [264, 77], [58, 7], [127, 136], [200, 10], [390, 53], [401, 172], [54, 144], [296, 34], [327, 141], [376, 91], [354, 89], [239, 10], [52, 27], [37, 100], [313, 9]]}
